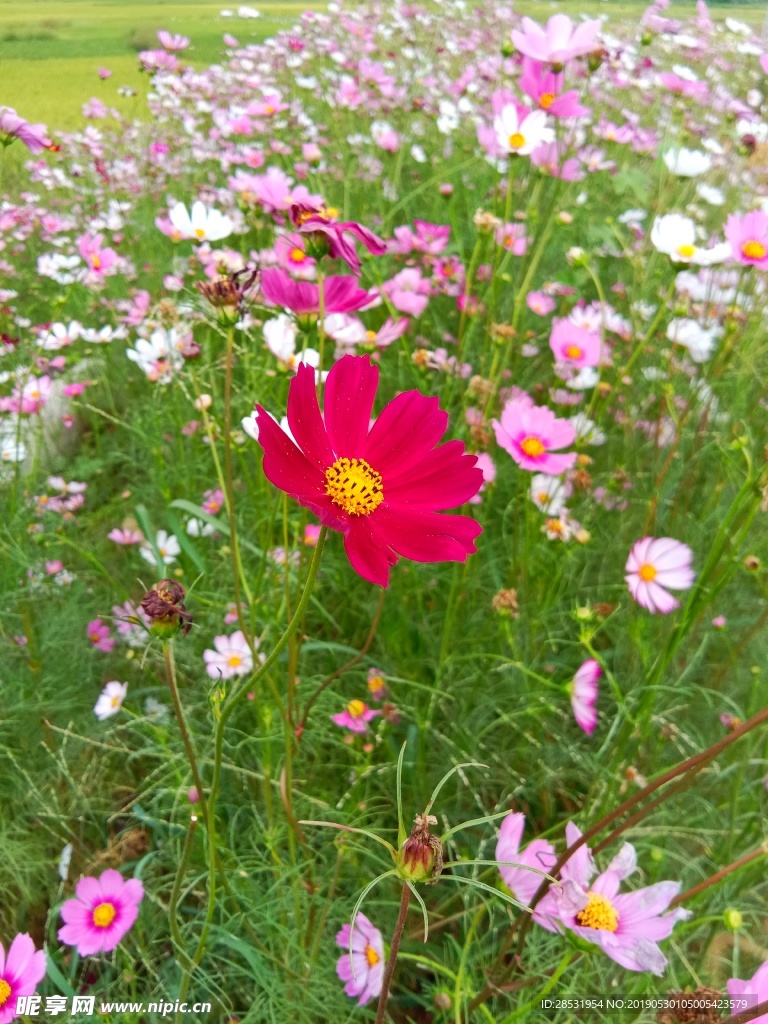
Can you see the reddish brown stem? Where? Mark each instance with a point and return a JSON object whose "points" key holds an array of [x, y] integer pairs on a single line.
{"points": [[720, 875], [389, 970]]}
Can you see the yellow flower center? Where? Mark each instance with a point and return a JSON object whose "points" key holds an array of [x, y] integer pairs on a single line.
{"points": [[104, 915], [599, 913], [547, 99], [370, 335], [297, 255], [754, 250], [686, 251], [269, 109], [647, 573], [516, 141], [375, 683], [235, 661], [532, 447], [371, 956], [555, 525], [114, 702], [96, 262], [573, 352], [356, 708], [5, 991], [354, 486], [200, 233]]}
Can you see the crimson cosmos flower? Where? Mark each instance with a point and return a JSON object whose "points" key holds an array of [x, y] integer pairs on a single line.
{"points": [[382, 486]]}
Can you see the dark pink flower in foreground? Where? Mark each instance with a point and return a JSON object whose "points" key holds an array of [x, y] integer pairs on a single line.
{"points": [[21, 971], [382, 486], [104, 910], [310, 221], [340, 294]]}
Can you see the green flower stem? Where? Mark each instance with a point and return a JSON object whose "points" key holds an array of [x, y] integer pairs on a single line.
{"points": [[176, 891], [170, 668], [523, 1011], [389, 970], [651, 330], [223, 715]]}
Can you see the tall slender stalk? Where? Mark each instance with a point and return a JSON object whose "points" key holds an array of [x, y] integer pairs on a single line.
{"points": [[389, 970]]}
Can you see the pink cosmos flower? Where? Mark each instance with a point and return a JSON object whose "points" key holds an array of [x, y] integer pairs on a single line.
{"points": [[748, 236], [539, 854], [99, 259], [382, 486], [363, 970], [545, 87], [127, 536], [213, 501], [626, 926], [512, 237], [172, 41], [574, 345], [656, 563], [99, 636], [341, 294], [104, 910], [292, 254], [682, 86], [34, 136], [21, 971], [311, 535], [312, 222], [584, 692], [355, 716], [104, 74], [54, 566], [539, 303], [764, 62], [408, 291], [530, 432], [558, 41], [232, 657], [548, 157], [756, 987]]}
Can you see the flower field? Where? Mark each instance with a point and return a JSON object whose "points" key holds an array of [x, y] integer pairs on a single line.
{"points": [[383, 440]]}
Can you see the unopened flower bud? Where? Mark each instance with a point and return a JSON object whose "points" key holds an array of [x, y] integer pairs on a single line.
{"points": [[203, 402], [734, 919], [505, 603], [164, 606], [485, 222], [443, 1001], [420, 858]]}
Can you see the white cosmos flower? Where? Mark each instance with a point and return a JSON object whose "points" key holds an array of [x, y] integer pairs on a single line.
{"points": [[549, 493], [203, 224], [64, 861], [104, 335], [700, 341], [687, 163], [60, 335], [710, 194], [586, 429], [280, 335], [12, 447], [159, 356], [110, 700], [167, 545], [521, 135], [675, 236]]}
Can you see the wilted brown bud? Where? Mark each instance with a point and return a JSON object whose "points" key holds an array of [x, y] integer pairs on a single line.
{"points": [[581, 480], [226, 294], [443, 1001], [164, 606], [420, 357], [481, 436], [697, 1007], [502, 332], [505, 603], [752, 562], [603, 609], [583, 460], [485, 222], [420, 858]]}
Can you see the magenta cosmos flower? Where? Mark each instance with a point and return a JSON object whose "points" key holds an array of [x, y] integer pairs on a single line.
{"points": [[104, 910], [756, 988], [574, 346], [21, 971], [355, 716], [558, 41], [584, 691], [655, 563], [382, 486], [748, 236], [539, 854], [99, 636], [530, 433], [363, 970], [626, 926], [34, 136], [340, 294], [311, 221]]}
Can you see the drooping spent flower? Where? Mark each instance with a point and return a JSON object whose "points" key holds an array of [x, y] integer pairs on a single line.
{"points": [[164, 606], [420, 858]]}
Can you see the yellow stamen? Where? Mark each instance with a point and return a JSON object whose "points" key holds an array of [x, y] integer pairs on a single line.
{"points": [[599, 914], [269, 109], [547, 99], [754, 250], [375, 683], [114, 702], [686, 251], [516, 141], [104, 915], [371, 956], [234, 661], [532, 447], [356, 708], [200, 233], [354, 486], [5, 991], [297, 255], [96, 262], [647, 573], [370, 335], [573, 352]]}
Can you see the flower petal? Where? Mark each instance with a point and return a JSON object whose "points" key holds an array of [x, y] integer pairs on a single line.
{"points": [[350, 391]]}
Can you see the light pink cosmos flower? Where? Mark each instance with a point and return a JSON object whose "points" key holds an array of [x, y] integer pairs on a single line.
{"points": [[584, 693], [558, 41], [34, 136], [512, 237], [99, 259], [232, 657], [98, 634], [748, 237], [355, 716], [104, 910], [125, 536], [363, 970], [574, 345], [341, 294], [626, 926], [21, 971], [539, 303], [172, 41], [756, 987], [655, 563], [539, 854], [408, 291], [530, 433], [545, 87]]}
